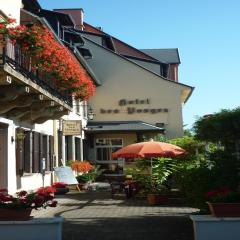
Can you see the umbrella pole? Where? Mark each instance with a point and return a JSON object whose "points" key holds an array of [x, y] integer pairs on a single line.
{"points": [[151, 166], [151, 173]]}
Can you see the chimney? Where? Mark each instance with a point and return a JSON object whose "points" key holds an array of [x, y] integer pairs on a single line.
{"points": [[81, 19]]}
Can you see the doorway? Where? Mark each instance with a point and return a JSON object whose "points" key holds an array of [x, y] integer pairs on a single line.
{"points": [[3, 156]]}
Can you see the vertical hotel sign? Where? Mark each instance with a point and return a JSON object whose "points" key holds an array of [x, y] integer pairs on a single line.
{"points": [[72, 127]]}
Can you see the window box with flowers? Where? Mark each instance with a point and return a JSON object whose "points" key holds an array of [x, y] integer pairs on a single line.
{"points": [[44, 55], [16, 222], [224, 221], [19, 206], [224, 202]]}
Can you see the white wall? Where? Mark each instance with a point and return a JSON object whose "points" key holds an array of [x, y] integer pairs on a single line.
{"points": [[94, 38], [34, 181], [11, 8], [28, 181], [45, 128], [151, 66], [122, 79], [11, 154]]}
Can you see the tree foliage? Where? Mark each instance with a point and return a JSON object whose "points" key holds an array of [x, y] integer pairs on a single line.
{"points": [[223, 126]]}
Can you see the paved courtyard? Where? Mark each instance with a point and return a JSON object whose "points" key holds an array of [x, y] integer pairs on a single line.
{"points": [[95, 216]]}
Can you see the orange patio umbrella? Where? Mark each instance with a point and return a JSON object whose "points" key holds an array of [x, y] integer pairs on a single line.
{"points": [[149, 150]]}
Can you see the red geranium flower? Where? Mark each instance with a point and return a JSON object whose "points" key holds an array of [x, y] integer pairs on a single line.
{"points": [[39, 45], [41, 198], [59, 185]]}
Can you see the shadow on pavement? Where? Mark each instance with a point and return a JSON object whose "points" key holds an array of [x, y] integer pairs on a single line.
{"points": [[137, 228]]}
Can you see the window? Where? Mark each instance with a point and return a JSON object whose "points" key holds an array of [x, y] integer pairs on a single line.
{"points": [[31, 147], [85, 52], [106, 146]]}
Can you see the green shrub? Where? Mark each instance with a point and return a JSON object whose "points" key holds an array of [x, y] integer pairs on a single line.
{"points": [[201, 175]]}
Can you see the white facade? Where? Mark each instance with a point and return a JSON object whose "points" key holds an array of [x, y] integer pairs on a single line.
{"points": [[11, 9], [10, 178], [123, 79]]}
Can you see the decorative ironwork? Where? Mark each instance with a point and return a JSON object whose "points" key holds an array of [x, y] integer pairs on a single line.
{"points": [[13, 56]]}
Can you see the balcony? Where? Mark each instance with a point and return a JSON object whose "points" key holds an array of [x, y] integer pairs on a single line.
{"points": [[26, 95]]}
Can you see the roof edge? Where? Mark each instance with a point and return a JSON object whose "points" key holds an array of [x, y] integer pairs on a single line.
{"points": [[168, 80]]}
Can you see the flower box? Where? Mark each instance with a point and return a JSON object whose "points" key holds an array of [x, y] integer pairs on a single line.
{"points": [[207, 227], [19, 205], [35, 229], [60, 191], [224, 209], [60, 188], [21, 214]]}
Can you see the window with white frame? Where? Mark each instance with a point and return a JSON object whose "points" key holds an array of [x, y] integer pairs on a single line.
{"points": [[106, 146]]}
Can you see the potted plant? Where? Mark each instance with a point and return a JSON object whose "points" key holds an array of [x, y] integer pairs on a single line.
{"points": [[81, 166], [20, 205], [88, 175], [82, 180], [60, 187], [224, 202], [83, 169], [155, 179]]}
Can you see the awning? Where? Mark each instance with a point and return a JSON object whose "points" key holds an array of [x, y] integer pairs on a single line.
{"points": [[121, 126]]}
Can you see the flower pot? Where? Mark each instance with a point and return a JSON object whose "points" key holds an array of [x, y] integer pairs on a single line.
{"points": [[21, 214], [224, 209], [152, 198], [162, 199], [60, 191]]}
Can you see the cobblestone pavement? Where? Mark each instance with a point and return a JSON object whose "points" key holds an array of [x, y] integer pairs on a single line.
{"points": [[95, 216]]}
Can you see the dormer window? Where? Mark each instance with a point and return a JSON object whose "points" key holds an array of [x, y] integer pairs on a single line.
{"points": [[85, 53]]}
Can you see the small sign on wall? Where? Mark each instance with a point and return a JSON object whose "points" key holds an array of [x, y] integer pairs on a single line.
{"points": [[72, 127]]}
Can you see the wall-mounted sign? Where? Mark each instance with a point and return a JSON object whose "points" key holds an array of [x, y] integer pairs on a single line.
{"points": [[72, 127], [132, 109], [124, 102]]}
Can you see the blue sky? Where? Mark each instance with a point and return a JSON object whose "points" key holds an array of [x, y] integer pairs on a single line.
{"points": [[205, 32]]}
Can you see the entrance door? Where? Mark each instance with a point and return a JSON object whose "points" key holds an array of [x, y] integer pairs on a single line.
{"points": [[3, 157]]}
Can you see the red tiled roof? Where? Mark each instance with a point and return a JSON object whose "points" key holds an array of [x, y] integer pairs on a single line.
{"points": [[89, 28], [120, 47]]}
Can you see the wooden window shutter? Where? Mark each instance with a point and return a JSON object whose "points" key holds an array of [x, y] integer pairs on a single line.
{"points": [[19, 151], [48, 157], [60, 156], [27, 163], [51, 153], [36, 152], [44, 149]]}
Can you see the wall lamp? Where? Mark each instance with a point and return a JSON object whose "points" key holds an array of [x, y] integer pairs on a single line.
{"points": [[90, 114]]}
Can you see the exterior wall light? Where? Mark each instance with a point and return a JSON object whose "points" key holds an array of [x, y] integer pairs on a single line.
{"points": [[90, 114]]}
